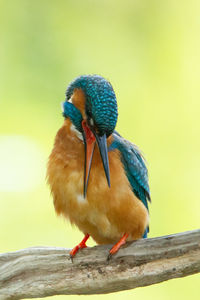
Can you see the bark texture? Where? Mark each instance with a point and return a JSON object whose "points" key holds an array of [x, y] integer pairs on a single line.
{"points": [[46, 271]]}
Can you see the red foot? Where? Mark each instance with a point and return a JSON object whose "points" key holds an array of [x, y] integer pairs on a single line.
{"points": [[116, 247], [81, 245]]}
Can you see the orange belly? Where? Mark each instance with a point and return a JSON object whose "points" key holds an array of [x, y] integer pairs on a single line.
{"points": [[106, 213]]}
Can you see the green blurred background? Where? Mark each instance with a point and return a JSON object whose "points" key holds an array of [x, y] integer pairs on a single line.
{"points": [[149, 50]]}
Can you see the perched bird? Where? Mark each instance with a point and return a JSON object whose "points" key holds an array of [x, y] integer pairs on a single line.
{"points": [[98, 179]]}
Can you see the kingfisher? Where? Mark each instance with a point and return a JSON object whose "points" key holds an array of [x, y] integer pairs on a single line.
{"points": [[98, 179]]}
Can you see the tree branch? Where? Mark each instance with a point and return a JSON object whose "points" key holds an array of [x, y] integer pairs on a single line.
{"points": [[44, 271]]}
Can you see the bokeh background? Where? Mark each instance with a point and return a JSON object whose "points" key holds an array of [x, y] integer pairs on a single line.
{"points": [[150, 51]]}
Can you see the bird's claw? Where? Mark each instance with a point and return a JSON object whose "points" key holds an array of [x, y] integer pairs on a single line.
{"points": [[109, 256], [112, 251], [71, 257], [73, 252], [117, 246]]}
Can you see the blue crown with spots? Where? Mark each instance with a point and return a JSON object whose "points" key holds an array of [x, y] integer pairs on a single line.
{"points": [[101, 103]]}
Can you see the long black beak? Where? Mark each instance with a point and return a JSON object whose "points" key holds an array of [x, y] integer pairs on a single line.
{"points": [[90, 137], [102, 144], [89, 150]]}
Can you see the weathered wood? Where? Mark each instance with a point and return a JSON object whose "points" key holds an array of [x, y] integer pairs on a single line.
{"points": [[45, 271]]}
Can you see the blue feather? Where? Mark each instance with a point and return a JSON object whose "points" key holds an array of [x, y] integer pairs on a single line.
{"points": [[134, 166], [146, 232], [101, 103], [70, 111]]}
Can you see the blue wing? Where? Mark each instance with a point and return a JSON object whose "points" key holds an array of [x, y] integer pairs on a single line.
{"points": [[134, 166]]}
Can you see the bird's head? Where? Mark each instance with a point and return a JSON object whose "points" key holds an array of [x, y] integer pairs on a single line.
{"points": [[92, 108]]}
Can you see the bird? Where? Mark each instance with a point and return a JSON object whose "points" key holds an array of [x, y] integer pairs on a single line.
{"points": [[98, 179]]}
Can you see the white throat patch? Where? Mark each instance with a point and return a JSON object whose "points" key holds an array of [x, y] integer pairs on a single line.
{"points": [[78, 134]]}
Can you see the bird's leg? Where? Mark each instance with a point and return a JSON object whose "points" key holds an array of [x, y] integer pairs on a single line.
{"points": [[81, 245], [116, 247]]}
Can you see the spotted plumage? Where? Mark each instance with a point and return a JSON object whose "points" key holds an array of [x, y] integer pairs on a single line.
{"points": [[98, 179]]}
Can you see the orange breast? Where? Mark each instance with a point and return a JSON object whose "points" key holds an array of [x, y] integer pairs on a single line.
{"points": [[106, 213]]}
